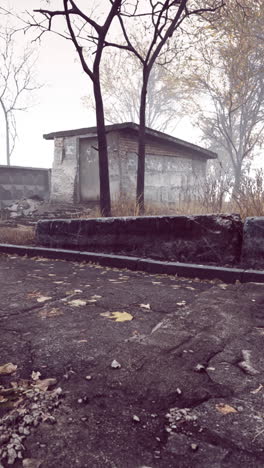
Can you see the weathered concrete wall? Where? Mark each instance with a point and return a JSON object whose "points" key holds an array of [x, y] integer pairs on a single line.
{"points": [[253, 242], [64, 170], [89, 168], [23, 182], [212, 239], [171, 174]]}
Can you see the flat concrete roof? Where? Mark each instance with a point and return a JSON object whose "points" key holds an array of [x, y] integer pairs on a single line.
{"points": [[133, 127]]}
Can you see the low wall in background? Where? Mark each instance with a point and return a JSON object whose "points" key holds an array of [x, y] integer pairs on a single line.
{"points": [[18, 182], [214, 239]]}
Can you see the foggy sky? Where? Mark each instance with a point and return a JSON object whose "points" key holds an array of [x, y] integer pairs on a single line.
{"points": [[58, 103]]}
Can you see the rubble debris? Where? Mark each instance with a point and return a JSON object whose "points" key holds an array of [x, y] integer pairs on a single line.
{"points": [[31, 403]]}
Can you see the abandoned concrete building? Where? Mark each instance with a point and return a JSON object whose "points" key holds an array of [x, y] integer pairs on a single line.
{"points": [[173, 166]]}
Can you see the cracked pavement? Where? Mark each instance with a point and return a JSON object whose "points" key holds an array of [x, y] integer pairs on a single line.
{"points": [[189, 388]]}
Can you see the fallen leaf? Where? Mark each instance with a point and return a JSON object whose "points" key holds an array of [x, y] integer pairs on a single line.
{"points": [[44, 313], [257, 389], [58, 282], [8, 368], [181, 303], [92, 301], [43, 298], [145, 306], [45, 384], [77, 302], [190, 288], [225, 409], [33, 294], [35, 375], [118, 316], [156, 282], [31, 463], [78, 290]]}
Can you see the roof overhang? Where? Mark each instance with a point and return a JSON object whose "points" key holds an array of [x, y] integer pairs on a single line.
{"points": [[130, 126]]}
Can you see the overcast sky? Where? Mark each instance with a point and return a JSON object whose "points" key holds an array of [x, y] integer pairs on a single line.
{"points": [[58, 103]]}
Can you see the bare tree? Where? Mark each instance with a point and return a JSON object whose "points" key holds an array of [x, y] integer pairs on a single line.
{"points": [[87, 29], [163, 19], [17, 82], [227, 86], [121, 76]]}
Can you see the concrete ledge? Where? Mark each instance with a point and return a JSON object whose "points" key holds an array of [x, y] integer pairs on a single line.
{"points": [[252, 276], [214, 239], [228, 275], [253, 242]]}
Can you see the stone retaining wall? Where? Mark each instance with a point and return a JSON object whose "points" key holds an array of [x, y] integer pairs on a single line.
{"points": [[214, 239], [253, 242]]}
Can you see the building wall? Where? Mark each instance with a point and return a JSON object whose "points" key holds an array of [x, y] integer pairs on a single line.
{"points": [[64, 170], [23, 182], [170, 174]]}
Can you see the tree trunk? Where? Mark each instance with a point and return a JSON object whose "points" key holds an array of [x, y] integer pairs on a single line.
{"points": [[237, 182], [7, 136], [142, 148], [105, 199]]}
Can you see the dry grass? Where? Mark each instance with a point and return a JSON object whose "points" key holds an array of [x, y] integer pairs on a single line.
{"points": [[211, 199], [20, 235], [249, 202]]}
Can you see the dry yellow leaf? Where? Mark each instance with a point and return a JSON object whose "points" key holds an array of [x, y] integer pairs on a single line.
{"points": [[77, 303], [225, 409], [43, 298], [8, 368], [118, 316]]}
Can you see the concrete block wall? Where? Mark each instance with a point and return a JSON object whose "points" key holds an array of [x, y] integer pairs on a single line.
{"points": [[23, 182], [170, 173]]}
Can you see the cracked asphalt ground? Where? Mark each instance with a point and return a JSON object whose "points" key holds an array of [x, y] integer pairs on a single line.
{"points": [[186, 386]]}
